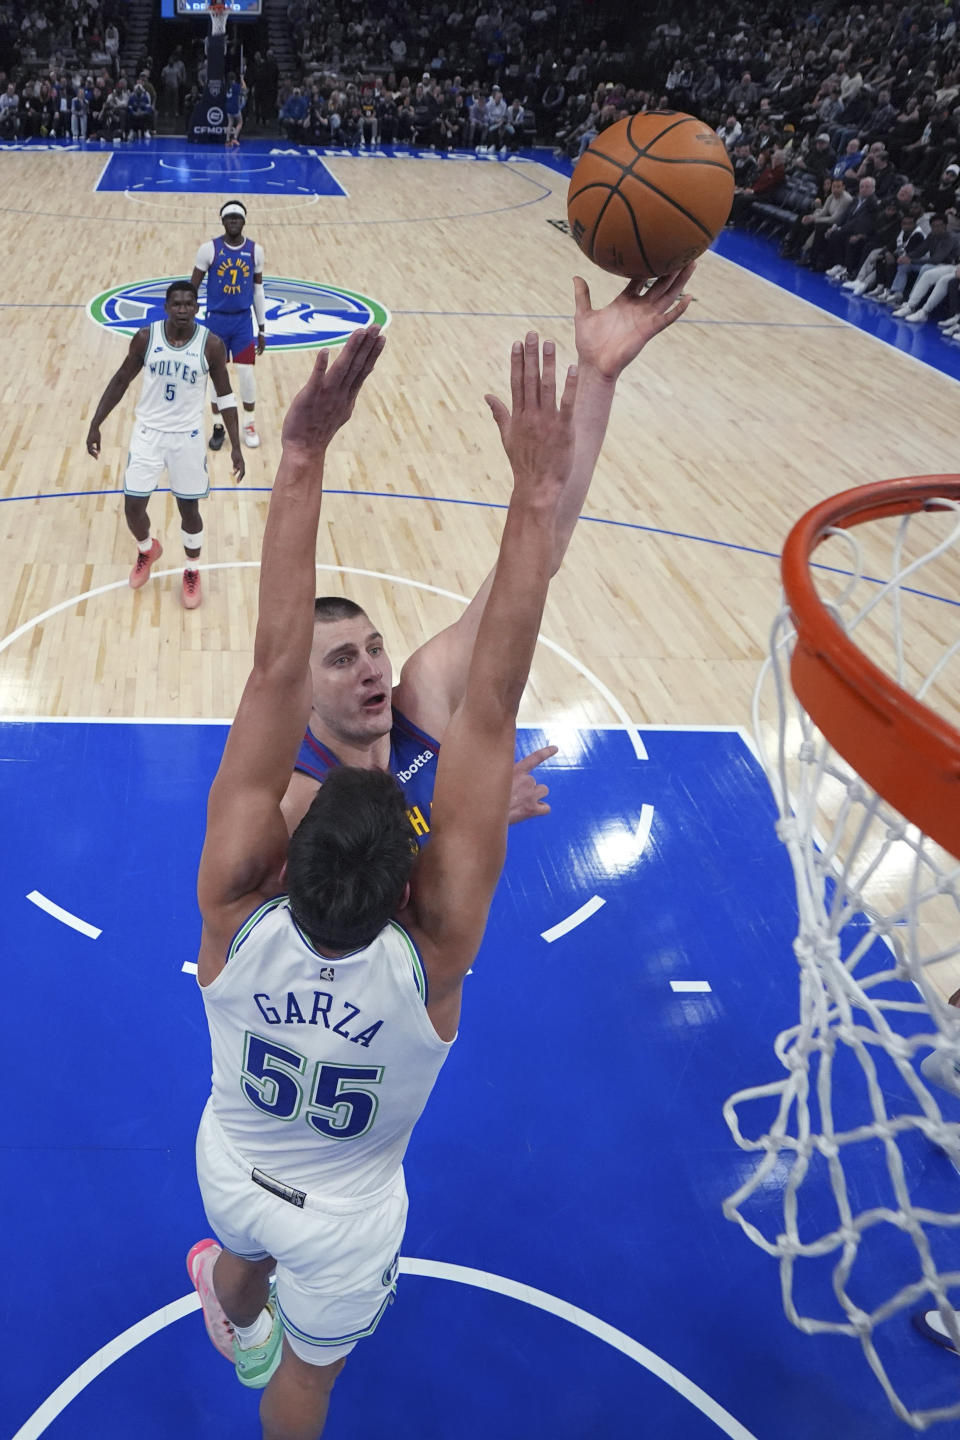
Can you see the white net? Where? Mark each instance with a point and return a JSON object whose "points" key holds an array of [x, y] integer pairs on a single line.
{"points": [[853, 1192], [218, 19]]}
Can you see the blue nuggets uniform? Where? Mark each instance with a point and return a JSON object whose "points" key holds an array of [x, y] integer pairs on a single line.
{"points": [[413, 760], [230, 297]]}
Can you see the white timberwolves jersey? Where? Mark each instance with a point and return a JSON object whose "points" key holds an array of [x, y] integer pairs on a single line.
{"points": [[321, 1067], [174, 381]]}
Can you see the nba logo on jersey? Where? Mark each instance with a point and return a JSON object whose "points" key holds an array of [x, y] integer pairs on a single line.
{"points": [[300, 314]]}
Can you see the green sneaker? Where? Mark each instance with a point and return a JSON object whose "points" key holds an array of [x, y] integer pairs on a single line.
{"points": [[255, 1366]]}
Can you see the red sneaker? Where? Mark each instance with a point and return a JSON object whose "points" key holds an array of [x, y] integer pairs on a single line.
{"points": [[200, 1263], [140, 573], [190, 590]]}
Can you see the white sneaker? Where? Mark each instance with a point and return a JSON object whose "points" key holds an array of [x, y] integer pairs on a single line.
{"points": [[901, 312], [850, 284], [949, 324], [916, 317], [250, 436]]}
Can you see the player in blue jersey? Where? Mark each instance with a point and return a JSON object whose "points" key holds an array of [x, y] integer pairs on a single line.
{"points": [[236, 99], [233, 266], [359, 717]]}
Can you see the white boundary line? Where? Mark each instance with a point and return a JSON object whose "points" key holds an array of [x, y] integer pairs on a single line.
{"points": [[115, 1349], [581, 669], [563, 927], [859, 330], [58, 913]]}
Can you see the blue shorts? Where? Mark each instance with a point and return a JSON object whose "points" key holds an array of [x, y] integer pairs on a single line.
{"points": [[235, 329]]}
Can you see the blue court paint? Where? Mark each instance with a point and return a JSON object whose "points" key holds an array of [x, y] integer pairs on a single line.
{"points": [[574, 1141], [201, 170]]}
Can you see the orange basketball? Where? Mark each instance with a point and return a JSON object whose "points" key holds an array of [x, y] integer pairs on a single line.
{"points": [[650, 194]]}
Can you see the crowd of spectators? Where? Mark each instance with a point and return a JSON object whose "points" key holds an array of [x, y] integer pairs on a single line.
{"points": [[842, 124], [60, 73], [844, 132]]}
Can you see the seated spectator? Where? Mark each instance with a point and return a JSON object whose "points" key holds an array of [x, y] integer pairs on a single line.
{"points": [[850, 161], [826, 216], [9, 113], [744, 165], [771, 172], [730, 132], [940, 247], [820, 159], [295, 116], [513, 126], [139, 113], [846, 244], [885, 241], [496, 114], [477, 123]]}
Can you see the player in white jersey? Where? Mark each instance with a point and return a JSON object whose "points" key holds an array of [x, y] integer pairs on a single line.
{"points": [[175, 355], [331, 964]]}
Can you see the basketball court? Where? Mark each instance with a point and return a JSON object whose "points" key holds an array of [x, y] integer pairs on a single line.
{"points": [[567, 1269]]}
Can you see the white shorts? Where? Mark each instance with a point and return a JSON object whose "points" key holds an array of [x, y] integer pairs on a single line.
{"points": [[337, 1260], [182, 453]]}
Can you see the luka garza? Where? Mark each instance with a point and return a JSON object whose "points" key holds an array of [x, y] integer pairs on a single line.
{"points": [[315, 1010]]}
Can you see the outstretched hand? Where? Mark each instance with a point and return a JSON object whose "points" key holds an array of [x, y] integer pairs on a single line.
{"points": [[537, 434], [610, 338], [526, 791], [326, 402]]}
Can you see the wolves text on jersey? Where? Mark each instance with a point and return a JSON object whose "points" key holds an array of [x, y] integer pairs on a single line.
{"points": [[316, 1009], [176, 369]]}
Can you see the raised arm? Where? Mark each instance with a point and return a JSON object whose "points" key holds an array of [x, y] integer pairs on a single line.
{"points": [[116, 389], [246, 839], [433, 680], [456, 875]]}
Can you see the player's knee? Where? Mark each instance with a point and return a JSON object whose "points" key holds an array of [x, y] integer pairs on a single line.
{"points": [[135, 505], [317, 1379], [246, 383]]}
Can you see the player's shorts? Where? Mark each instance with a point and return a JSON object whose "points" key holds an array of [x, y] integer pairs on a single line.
{"points": [[182, 453], [337, 1259], [235, 329]]}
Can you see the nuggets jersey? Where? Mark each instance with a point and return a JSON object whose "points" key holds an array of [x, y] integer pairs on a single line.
{"points": [[230, 277], [174, 381], [321, 1067], [413, 760]]}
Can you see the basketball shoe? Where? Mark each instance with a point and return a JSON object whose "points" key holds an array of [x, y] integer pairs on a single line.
{"points": [[140, 573], [250, 436], [255, 1366], [217, 438], [190, 590], [200, 1263]]}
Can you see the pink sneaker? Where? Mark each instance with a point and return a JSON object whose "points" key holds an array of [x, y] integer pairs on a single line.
{"points": [[200, 1263], [190, 590], [140, 573]]}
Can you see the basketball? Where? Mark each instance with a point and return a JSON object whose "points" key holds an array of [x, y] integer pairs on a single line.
{"points": [[650, 194]]}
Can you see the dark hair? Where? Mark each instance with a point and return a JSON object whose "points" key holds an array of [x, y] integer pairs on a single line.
{"points": [[349, 859], [937, 216], [180, 285], [335, 607]]}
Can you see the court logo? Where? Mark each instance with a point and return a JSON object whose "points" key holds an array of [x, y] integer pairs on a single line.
{"points": [[300, 314]]}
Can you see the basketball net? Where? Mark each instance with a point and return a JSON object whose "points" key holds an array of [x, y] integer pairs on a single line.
{"points": [[218, 19], [879, 905]]}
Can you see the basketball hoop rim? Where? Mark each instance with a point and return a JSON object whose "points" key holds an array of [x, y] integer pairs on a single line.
{"points": [[898, 745]]}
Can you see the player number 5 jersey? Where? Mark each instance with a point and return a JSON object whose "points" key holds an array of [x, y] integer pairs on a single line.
{"points": [[174, 381]]}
